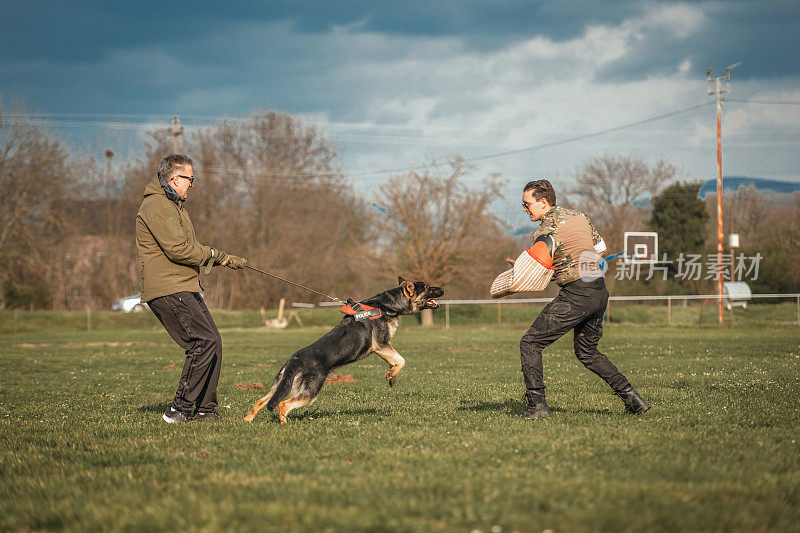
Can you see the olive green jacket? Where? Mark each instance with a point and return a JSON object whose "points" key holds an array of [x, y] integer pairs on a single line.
{"points": [[169, 254]]}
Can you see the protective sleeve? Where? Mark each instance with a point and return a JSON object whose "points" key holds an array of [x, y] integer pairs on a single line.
{"points": [[165, 226], [548, 242]]}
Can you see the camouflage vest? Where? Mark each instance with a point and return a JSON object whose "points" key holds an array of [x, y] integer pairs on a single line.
{"points": [[576, 239]]}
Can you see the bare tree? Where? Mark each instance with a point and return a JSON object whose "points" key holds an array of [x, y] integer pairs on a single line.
{"points": [[769, 224], [437, 230], [748, 208], [614, 190], [36, 175], [292, 207], [267, 188]]}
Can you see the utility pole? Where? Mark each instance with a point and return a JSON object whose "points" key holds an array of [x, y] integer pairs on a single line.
{"points": [[175, 132], [110, 225], [718, 91]]}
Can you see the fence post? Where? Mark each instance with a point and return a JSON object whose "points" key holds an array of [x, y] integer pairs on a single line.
{"points": [[669, 311], [446, 316], [88, 319], [498, 314]]}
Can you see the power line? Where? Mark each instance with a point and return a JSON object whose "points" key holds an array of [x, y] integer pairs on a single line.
{"points": [[128, 121], [562, 141], [134, 120], [157, 120], [766, 102], [400, 169]]}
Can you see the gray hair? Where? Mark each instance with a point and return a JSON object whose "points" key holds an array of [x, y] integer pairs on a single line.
{"points": [[168, 164]]}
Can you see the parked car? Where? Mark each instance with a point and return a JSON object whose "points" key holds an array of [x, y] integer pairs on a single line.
{"points": [[129, 303]]}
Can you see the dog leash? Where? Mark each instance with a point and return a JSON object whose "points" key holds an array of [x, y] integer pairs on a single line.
{"points": [[293, 283]]}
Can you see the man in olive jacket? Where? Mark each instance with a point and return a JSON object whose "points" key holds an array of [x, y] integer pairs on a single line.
{"points": [[169, 265]]}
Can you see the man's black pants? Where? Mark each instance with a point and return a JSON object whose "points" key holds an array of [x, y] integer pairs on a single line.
{"points": [[188, 321], [579, 305]]}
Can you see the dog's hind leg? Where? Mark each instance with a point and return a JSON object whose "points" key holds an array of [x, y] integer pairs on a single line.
{"points": [[304, 392], [394, 359], [261, 403], [290, 404], [285, 381]]}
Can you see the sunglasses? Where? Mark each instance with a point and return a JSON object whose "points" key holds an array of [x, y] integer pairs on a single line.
{"points": [[527, 205], [190, 178]]}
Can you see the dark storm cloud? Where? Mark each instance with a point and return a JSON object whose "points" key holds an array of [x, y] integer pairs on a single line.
{"points": [[764, 36], [480, 24], [761, 34], [477, 77], [77, 31]]}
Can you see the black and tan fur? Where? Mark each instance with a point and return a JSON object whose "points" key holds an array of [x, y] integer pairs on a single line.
{"points": [[304, 374]]}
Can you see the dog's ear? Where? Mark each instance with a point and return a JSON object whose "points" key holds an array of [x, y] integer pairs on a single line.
{"points": [[401, 280], [408, 288]]}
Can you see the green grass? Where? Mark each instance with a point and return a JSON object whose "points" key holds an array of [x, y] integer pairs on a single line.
{"points": [[82, 446]]}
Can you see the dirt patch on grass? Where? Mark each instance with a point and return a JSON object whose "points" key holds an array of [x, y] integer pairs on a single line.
{"points": [[27, 345], [340, 378], [96, 344], [170, 367], [252, 386]]}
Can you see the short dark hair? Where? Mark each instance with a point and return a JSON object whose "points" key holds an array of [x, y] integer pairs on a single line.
{"points": [[541, 189], [168, 164]]}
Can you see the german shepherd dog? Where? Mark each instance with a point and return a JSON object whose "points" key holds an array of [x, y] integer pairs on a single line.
{"points": [[353, 339]]}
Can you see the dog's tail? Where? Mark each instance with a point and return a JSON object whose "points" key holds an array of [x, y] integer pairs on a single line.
{"points": [[283, 382]]}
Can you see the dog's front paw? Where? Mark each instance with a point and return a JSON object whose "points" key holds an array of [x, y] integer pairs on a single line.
{"points": [[391, 377]]}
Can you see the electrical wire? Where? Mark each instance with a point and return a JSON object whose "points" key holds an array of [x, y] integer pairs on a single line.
{"points": [[126, 121], [766, 102], [564, 141]]}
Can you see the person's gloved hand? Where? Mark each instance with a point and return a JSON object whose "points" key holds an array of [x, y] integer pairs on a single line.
{"points": [[233, 261], [217, 256]]}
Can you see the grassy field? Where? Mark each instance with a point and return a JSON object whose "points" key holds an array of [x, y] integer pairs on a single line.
{"points": [[515, 315], [82, 446]]}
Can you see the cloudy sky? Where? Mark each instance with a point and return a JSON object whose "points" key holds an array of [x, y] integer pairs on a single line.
{"points": [[517, 87]]}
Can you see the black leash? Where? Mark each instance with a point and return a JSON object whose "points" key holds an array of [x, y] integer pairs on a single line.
{"points": [[293, 283]]}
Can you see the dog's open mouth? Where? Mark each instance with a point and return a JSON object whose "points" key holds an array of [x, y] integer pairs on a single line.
{"points": [[431, 304]]}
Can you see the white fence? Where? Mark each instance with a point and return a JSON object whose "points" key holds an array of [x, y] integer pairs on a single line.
{"points": [[669, 300]]}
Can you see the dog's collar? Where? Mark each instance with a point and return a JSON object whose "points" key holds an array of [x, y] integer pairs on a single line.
{"points": [[361, 311]]}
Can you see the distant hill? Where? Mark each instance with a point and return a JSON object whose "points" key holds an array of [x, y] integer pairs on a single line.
{"points": [[732, 184]]}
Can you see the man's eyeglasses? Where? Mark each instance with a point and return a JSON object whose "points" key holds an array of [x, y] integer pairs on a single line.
{"points": [[527, 205], [190, 178]]}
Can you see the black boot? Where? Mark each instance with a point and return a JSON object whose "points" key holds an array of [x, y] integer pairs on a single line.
{"points": [[537, 406], [634, 403]]}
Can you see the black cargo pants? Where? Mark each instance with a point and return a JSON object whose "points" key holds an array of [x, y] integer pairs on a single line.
{"points": [[579, 305], [188, 321]]}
